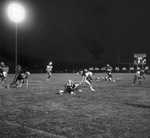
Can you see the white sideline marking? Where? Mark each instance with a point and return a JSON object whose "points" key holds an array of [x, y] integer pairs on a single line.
{"points": [[34, 130]]}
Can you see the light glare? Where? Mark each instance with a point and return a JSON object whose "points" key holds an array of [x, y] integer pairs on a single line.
{"points": [[16, 12]]}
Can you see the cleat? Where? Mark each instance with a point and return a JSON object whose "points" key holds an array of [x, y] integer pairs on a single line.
{"points": [[73, 93], [92, 89], [60, 92]]}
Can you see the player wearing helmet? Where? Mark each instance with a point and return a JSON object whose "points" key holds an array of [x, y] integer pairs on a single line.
{"points": [[49, 68], [86, 78], [70, 87], [139, 75], [18, 72], [109, 75], [4, 69]]}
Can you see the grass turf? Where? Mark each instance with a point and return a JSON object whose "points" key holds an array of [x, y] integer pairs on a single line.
{"points": [[114, 110]]}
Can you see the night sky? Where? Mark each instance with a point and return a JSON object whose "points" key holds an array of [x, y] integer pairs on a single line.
{"points": [[77, 32]]}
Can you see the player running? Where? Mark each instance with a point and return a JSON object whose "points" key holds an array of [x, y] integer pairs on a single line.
{"points": [[4, 69], [49, 68], [139, 76], [86, 78], [109, 75]]}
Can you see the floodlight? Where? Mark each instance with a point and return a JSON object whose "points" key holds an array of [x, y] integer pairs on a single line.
{"points": [[16, 12]]}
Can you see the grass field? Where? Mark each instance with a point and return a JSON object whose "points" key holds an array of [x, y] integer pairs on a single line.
{"points": [[114, 110]]}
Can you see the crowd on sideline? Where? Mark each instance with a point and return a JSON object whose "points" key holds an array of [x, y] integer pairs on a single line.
{"points": [[123, 69]]}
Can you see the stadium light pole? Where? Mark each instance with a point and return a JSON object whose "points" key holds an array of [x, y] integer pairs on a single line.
{"points": [[16, 13]]}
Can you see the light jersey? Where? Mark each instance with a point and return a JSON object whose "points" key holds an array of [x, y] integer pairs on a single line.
{"points": [[49, 68], [109, 69], [89, 75], [70, 85], [5, 69], [138, 73]]}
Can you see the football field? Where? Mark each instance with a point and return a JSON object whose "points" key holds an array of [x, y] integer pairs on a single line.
{"points": [[114, 110]]}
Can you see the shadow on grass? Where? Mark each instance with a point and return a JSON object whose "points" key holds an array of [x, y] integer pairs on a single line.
{"points": [[138, 105]]}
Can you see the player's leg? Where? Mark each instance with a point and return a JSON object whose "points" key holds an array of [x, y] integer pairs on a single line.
{"points": [[87, 82], [1, 78], [107, 78], [83, 80], [49, 75], [111, 77], [4, 75], [14, 80], [27, 82], [143, 77], [140, 80], [76, 88], [18, 84], [134, 80]]}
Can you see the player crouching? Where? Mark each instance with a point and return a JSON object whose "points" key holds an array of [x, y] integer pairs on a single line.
{"points": [[70, 87], [138, 76], [20, 79]]}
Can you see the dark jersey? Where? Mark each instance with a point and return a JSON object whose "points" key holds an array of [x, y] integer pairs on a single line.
{"points": [[70, 87], [18, 69], [108, 70]]}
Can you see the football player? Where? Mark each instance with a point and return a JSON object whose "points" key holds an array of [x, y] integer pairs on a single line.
{"points": [[49, 68], [4, 69], [70, 87], [86, 78], [18, 72], [108, 71], [23, 78], [20, 79], [139, 75]]}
